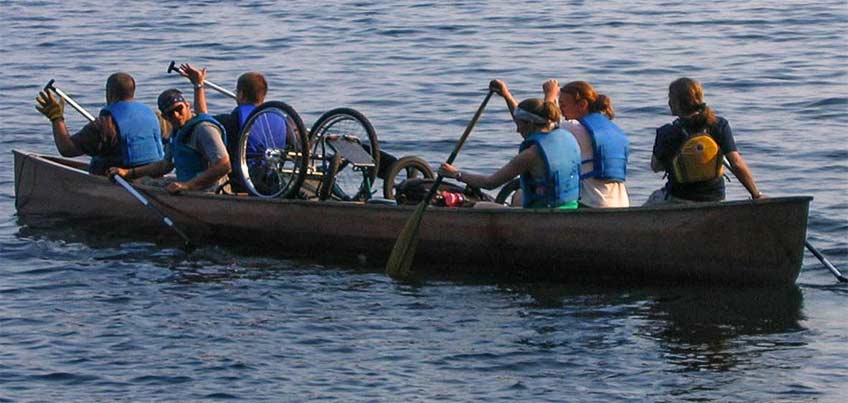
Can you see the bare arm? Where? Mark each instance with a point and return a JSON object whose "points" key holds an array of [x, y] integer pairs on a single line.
{"points": [[551, 90], [209, 177], [152, 169], [197, 77], [64, 145], [743, 173], [519, 164], [499, 87]]}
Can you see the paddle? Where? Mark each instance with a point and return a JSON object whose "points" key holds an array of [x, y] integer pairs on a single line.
{"points": [[811, 248], [172, 68], [129, 188], [403, 253]]}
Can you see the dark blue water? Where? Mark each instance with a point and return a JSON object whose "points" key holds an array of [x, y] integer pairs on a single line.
{"points": [[90, 317]]}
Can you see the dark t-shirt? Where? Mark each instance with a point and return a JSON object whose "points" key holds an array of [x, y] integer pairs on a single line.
{"points": [[100, 139], [669, 139]]}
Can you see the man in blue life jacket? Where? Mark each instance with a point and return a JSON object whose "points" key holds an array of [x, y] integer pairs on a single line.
{"points": [[126, 134], [197, 148], [251, 89]]}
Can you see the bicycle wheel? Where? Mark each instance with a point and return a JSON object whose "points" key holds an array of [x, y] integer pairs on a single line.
{"points": [[507, 191], [408, 167], [351, 183], [272, 153]]}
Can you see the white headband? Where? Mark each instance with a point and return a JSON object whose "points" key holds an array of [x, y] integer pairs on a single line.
{"points": [[521, 114]]}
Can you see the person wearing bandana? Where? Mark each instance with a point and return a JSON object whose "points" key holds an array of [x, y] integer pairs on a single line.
{"points": [[548, 160]]}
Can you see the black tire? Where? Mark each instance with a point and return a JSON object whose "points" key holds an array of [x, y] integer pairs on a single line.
{"points": [[506, 192], [350, 184], [408, 167], [267, 168]]}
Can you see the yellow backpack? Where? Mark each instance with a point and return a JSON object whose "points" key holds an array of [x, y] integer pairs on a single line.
{"points": [[698, 159]]}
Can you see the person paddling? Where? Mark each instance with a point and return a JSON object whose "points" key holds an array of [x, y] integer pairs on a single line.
{"points": [[126, 134], [197, 148], [691, 150], [548, 161]]}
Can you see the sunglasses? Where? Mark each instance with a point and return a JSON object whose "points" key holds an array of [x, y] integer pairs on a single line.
{"points": [[179, 108]]}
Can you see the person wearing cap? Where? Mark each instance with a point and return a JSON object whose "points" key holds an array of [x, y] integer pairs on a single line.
{"points": [[197, 148], [126, 133], [548, 161]]}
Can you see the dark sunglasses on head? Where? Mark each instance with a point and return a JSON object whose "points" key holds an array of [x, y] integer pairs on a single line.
{"points": [[178, 108]]}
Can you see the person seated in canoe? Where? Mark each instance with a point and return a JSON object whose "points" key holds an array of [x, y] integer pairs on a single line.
{"points": [[691, 150], [197, 149], [251, 89], [548, 161], [604, 147], [126, 134]]}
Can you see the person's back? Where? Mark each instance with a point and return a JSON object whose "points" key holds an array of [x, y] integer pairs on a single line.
{"points": [[126, 134], [691, 150], [559, 183]]}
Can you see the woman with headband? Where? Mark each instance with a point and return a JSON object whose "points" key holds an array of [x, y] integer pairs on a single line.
{"points": [[548, 161]]}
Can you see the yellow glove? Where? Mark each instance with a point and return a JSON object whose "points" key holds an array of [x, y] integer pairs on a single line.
{"points": [[49, 106]]}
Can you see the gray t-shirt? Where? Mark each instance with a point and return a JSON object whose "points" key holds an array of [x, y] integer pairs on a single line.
{"points": [[207, 140]]}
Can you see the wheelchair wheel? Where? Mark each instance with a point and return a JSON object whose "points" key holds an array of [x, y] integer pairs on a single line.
{"points": [[507, 191], [272, 153], [408, 167], [351, 183]]}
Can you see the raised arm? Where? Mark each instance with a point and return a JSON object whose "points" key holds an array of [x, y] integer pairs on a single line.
{"points": [[500, 88], [197, 78]]}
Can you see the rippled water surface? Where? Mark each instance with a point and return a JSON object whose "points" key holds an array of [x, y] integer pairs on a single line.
{"points": [[89, 317]]}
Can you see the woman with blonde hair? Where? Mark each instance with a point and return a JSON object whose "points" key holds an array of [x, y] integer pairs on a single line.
{"points": [[548, 161], [692, 149]]}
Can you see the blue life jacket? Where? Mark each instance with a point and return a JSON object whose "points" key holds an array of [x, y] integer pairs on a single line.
{"points": [[188, 161], [139, 136], [609, 148], [243, 111], [561, 183]]}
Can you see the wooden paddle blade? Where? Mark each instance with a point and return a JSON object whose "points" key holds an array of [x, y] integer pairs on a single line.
{"points": [[403, 253]]}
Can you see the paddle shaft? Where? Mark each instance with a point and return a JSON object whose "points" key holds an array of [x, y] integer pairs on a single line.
{"points": [[403, 252], [68, 100], [121, 181], [172, 67], [458, 146], [811, 248], [118, 178]]}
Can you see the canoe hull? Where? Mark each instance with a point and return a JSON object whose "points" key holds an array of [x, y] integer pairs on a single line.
{"points": [[744, 242]]}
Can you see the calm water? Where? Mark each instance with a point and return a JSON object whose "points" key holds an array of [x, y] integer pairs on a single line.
{"points": [[88, 317]]}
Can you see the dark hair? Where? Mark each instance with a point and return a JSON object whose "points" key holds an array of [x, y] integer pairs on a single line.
{"points": [[545, 109], [121, 86], [686, 100], [252, 86], [599, 103]]}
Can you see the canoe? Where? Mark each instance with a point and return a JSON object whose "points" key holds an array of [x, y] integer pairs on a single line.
{"points": [[737, 242]]}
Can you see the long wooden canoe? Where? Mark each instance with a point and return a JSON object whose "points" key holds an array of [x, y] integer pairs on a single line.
{"points": [[738, 242]]}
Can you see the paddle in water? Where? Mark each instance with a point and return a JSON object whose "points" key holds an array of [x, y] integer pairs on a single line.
{"points": [[403, 253], [836, 273], [118, 179]]}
